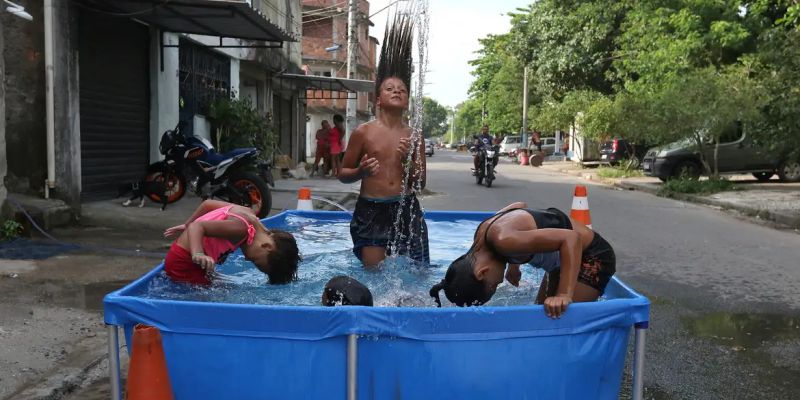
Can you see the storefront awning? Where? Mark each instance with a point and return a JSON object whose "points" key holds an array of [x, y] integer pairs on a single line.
{"points": [[223, 18], [325, 87]]}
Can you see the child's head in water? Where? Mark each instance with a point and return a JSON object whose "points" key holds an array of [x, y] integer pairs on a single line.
{"points": [[346, 291], [276, 255]]}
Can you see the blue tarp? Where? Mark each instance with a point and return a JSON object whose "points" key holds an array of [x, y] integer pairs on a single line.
{"points": [[283, 352]]}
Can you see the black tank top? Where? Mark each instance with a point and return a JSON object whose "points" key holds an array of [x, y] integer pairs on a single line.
{"points": [[550, 218]]}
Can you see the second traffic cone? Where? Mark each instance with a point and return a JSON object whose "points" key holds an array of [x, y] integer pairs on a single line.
{"points": [[580, 207], [147, 371], [304, 199]]}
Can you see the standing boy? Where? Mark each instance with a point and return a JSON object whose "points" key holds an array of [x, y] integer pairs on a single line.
{"points": [[378, 155]]}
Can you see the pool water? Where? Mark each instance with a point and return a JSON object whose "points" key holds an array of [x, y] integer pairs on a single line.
{"points": [[327, 251]]}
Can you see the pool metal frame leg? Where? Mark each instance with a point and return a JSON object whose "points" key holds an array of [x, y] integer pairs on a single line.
{"points": [[352, 366], [113, 361], [640, 330]]}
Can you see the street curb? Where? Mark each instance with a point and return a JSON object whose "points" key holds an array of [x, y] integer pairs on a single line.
{"points": [[787, 220]]}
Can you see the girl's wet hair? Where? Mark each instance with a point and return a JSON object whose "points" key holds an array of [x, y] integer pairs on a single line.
{"points": [[395, 59], [346, 291], [460, 285]]}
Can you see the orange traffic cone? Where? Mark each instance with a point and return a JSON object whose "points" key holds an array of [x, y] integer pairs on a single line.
{"points": [[147, 372], [304, 199], [580, 207]]}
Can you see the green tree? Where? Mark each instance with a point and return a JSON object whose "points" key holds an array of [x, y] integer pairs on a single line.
{"points": [[434, 120], [468, 119], [568, 44], [504, 99]]}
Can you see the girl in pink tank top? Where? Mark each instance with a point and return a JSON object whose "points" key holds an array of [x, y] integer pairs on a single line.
{"points": [[217, 229]]}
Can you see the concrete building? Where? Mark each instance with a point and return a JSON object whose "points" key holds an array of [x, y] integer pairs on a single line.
{"points": [[124, 71], [324, 39]]}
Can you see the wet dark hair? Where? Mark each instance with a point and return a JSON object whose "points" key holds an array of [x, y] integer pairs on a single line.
{"points": [[282, 261], [346, 291], [460, 285], [395, 59], [338, 118]]}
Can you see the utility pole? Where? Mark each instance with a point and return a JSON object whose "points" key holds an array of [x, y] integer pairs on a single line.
{"points": [[524, 135], [352, 65]]}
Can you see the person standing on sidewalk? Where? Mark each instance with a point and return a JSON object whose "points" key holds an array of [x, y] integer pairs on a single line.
{"points": [[335, 141], [323, 149]]}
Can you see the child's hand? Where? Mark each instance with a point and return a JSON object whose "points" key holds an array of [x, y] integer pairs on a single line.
{"points": [[175, 230], [554, 306], [369, 166], [402, 148], [205, 262]]}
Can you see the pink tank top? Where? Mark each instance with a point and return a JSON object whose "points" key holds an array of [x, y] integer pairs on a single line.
{"points": [[219, 248]]}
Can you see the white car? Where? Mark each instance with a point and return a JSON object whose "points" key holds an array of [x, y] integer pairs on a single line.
{"points": [[508, 144], [428, 148]]}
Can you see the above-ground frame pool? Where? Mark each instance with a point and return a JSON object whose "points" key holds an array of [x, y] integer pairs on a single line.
{"points": [[246, 351]]}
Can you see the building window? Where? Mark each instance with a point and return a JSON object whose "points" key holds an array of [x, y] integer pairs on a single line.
{"points": [[322, 72]]}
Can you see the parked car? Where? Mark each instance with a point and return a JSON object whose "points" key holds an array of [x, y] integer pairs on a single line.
{"points": [[737, 154], [616, 150], [508, 144], [428, 148], [548, 145]]}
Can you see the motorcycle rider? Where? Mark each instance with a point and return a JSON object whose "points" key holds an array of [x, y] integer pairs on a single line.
{"points": [[484, 140]]}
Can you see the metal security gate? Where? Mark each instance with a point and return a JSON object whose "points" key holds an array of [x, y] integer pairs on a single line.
{"points": [[205, 76], [114, 103]]}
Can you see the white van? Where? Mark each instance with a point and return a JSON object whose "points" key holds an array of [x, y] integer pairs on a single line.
{"points": [[508, 144]]}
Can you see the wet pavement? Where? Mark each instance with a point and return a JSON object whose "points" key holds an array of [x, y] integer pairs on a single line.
{"points": [[724, 314]]}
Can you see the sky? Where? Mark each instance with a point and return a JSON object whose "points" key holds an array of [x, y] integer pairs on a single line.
{"points": [[455, 27]]}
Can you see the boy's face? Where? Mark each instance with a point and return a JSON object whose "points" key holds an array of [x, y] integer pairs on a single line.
{"points": [[393, 94]]}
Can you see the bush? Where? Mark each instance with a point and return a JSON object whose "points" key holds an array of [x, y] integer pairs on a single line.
{"points": [[237, 124], [618, 172], [695, 186], [10, 230]]}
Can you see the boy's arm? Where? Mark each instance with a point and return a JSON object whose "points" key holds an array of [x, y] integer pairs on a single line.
{"points": [[355, 165]]}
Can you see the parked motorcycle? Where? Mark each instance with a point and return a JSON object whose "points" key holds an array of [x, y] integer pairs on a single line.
{"points": [[190, 162], [487, 158]]}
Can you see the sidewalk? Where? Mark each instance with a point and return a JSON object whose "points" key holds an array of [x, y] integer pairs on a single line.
{"points": [[772, 201]]}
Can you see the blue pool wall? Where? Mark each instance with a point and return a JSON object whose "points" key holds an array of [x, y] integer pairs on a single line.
{"points": [[243, 351]]}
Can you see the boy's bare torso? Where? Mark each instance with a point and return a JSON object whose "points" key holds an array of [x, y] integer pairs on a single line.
{"points": [[381, 143]]}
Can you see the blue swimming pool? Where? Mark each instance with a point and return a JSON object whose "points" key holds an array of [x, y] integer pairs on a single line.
{"points": [[256, 351]]}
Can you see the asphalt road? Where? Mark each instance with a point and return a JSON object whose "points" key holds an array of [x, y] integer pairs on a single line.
{"points": [[725, 314]]}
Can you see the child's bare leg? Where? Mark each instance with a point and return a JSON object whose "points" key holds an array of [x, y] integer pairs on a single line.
{"points": [[371, 256]]}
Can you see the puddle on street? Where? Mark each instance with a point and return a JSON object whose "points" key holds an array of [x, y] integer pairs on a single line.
{"points": [[745, 331]]}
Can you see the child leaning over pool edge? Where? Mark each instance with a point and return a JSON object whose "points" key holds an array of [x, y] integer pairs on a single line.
{"points": [[377, 154], [215, 230]]}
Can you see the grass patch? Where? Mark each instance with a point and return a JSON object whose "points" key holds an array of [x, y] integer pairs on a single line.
{"points": [[618, 172], [695, 186]]}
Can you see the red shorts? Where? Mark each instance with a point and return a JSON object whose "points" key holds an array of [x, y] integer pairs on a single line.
{"points": [[179, 267]]}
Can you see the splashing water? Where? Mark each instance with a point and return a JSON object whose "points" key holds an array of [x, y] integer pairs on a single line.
{"points": [[327, 252], [415, 159], [333, 203]]}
